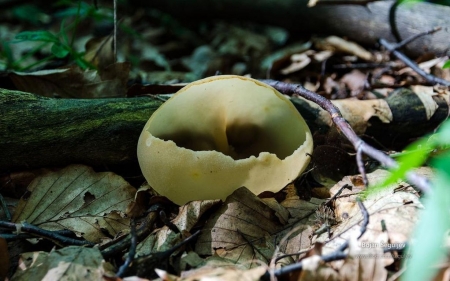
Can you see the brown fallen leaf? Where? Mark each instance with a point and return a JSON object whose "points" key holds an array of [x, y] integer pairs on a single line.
{"points": [[355, 82], [397, 206], [230, 272], [99, 51], [240, 231], [338, 44], [78, 199], [73, 82], [69, 263], [165, 238], [363, 264]]}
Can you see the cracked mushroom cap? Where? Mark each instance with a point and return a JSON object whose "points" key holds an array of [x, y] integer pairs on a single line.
{"points": [[220, 133]]}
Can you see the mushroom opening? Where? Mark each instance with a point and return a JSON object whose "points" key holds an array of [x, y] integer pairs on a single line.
{"points": [[182, 148]]}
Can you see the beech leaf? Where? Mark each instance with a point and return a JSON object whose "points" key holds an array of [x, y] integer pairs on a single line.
{"points": [[78, 199]]}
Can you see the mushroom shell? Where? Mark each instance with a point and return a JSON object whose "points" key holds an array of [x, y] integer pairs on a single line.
{"points": [[220, 133]]}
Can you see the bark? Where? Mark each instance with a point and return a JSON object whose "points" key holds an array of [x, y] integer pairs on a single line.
{"points": [[364, 24], [45, 132]]}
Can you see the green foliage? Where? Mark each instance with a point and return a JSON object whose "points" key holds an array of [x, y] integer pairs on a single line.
{"points": [[415, 156], [30, 13], [446, 64], [428, 249], [61, 46], [428, 238]]}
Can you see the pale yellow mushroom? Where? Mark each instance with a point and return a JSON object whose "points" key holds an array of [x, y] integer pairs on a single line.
{"points": [[220, 133]]}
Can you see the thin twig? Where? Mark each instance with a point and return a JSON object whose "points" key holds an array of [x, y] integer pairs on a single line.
{"points": [[360, 164], [345, 128], [393, 48], [4, 206], [366, 217], [42, 233], [414, 37], [143, 231], [338, 254], [131, 252]]}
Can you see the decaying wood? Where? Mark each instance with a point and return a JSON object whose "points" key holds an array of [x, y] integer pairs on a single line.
{"points": [[392, 122], [364, 24], [45, 132]]}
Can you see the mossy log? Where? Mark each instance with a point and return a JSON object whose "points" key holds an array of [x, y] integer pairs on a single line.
{"points": [[47, 132], [43, 132]]}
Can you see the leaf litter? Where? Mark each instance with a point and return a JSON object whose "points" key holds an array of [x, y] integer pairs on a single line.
{"points": [[90, 204], [245, 231]]}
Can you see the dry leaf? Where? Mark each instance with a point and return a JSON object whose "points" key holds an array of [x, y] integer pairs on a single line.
{"points": [[99, 51], [355, 82], [70, 263], [75, 83], [223, 273], [298, 62], [315, 270], [396, 206], [425, 94], [165, 238], [300, 209], [359, 113], [335, 43], [78, 199], [363, 264], [242, 218]]}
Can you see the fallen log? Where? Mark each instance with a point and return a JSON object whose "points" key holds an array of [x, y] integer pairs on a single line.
{"points": [[362, 23], [46, 132]]}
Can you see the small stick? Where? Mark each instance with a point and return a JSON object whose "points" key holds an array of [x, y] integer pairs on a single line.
{"points": [[393, 49], [143, 231], [414, 37], [345, 128], [360, 164], [338, 254], [42, 233], [132, 251]]}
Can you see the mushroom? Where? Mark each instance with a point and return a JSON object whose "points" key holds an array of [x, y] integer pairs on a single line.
{"points": [[220, 133]]}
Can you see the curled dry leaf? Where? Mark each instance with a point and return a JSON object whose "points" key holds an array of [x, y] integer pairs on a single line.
{"points": [[397, 206], [315, 270], [338, 44], [223, 273], [242, 218], [74, 82], [165, 238], [78, 199], [70, 263], [363, 263]]}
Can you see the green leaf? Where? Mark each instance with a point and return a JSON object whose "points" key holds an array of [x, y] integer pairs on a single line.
{"points": [[30, 13], [416, 154], [63, 33], [446, 64], [428, 249], [60, 50], [40, 35]]}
